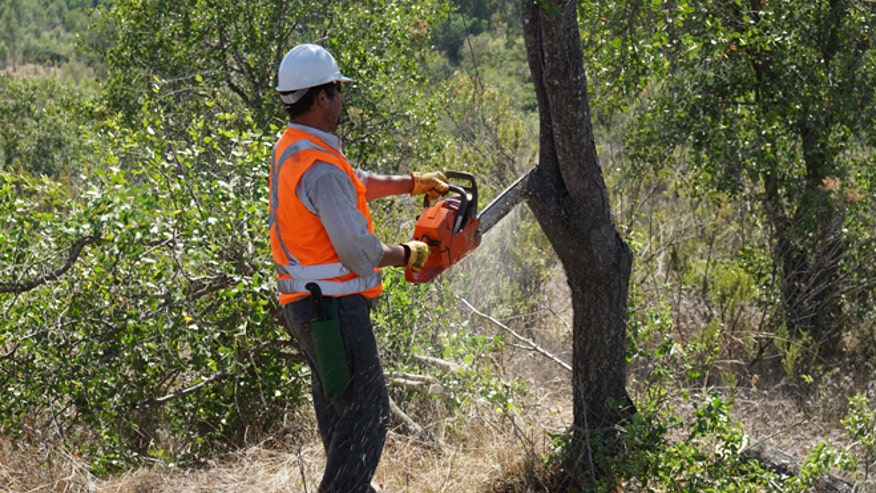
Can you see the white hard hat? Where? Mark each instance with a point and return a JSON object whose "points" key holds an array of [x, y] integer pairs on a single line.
{"points": [[305, 66]]}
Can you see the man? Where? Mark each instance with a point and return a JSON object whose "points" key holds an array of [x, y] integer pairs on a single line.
{"points": [[321, 232]]}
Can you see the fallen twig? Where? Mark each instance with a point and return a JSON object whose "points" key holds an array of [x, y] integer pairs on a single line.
{"points": [[411, 428], [448, 366]]}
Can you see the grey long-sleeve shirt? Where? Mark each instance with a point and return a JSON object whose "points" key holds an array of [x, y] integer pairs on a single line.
{"points": [[328, 192]]}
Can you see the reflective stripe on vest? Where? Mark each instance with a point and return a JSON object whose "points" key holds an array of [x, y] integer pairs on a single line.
{"points": [[293, 277]]}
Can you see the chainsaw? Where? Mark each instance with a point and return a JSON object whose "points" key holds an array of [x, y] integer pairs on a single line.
{"points": [[452, 227]]}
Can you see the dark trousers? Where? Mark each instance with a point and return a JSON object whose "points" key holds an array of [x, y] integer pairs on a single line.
{"points": [[353, 424]]}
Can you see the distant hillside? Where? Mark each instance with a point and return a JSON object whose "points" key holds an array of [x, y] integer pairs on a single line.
{"points": [[44, 33]]}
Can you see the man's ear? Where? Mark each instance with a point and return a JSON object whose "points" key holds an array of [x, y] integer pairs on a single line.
{"points": [[323, 98]]}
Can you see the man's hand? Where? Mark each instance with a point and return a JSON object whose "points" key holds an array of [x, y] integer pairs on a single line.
{"points": [[433, 184], [416, 254]]}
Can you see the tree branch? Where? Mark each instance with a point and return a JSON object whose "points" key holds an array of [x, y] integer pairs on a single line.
{"points": [[21, 287], [216, 377], [448, 366], [529, 343], [206, 381]]}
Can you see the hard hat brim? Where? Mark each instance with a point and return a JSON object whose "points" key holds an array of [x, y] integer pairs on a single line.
{"points": [[335, 79]]}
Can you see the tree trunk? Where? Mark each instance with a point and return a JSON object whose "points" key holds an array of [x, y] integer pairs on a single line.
{"points": [[808, 251], [568, 197], [809, 243]]}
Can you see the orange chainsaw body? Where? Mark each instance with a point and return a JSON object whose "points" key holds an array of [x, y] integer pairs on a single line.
{"points": [[450, 227]]}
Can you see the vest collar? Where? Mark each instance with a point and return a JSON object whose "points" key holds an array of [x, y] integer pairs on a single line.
{"points": [[328, 138]]}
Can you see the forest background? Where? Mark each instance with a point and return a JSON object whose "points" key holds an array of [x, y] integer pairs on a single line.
{"points": [[141, 348]]}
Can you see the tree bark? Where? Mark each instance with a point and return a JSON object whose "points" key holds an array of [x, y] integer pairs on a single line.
{"points": [[568, 197]]}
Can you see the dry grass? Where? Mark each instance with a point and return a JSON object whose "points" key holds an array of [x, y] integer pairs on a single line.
{"points": [[488, 446], [478, 448], [28, 70]]}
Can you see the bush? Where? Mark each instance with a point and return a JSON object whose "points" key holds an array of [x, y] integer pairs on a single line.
{"points": [[162, 339], [44, 126]]}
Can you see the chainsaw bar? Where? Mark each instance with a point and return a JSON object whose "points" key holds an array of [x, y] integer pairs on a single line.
{"points": [[502, 204]]}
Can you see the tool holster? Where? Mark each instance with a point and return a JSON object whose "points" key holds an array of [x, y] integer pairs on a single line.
{"points": [[331, 356]]}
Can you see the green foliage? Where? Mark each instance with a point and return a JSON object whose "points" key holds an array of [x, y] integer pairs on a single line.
{"points": [[685, 441], [44, 126], [451, 35], [166, 45], [706, 457], [822, 460], [162, 340], [660, 451], [234, 49], [768, 103], [494, 19], [42, 32], [692, 289], [391, 114], [660, 357], [860, 423], [496, 72]]}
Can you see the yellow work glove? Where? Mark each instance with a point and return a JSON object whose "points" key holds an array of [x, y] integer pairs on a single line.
{"points": [[433, 184], [416, 254]]}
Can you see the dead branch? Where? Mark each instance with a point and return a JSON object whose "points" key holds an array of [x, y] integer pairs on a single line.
{"points": [[448, 366], [216, 377], [21, 287], [529, 343], [411, 428], [419, 383], [782, 463]]}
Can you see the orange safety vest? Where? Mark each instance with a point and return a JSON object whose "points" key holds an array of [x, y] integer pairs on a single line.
{"points": [[299, 242]]}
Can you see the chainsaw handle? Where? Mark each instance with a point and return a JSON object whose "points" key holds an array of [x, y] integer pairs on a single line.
{"points": [[452, 188], [471, 187], [463, 206], [461, 175]]}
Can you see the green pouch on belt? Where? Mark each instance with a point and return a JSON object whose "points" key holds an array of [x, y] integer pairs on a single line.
{"points": [[325, 331]]}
